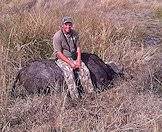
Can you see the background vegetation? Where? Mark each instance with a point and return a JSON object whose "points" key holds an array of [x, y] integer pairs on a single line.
{"points": [[125, 31]]}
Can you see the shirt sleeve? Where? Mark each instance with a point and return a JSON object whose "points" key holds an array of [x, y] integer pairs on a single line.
{"points": [[77, 40], [57, 44]]}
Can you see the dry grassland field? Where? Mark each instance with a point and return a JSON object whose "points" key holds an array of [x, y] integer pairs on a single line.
{"points": [[127, 32]]}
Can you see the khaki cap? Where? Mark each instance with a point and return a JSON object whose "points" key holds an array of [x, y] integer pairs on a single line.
{"points": [[67, 19]]}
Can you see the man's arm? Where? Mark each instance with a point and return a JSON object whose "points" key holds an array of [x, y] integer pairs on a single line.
{"points": [[78, 61], [61, 56]]}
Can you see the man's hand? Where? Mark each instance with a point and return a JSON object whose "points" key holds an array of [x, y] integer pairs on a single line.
{"points": [[61, 56], [77, 64], [72, 64]]}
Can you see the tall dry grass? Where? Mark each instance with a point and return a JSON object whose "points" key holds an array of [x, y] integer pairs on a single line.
{"points": [[115, 31]]}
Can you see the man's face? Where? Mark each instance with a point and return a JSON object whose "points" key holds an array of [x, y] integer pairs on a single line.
{"points": [[67, 27]]}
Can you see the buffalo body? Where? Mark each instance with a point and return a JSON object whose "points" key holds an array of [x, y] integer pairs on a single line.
{"points": [[40, 75]]}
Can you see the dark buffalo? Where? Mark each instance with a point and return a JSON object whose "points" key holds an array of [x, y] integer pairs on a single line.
{"points": [[42, 75]]}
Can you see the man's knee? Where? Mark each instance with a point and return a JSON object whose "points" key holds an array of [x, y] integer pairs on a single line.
{"points": [[85, 71]]}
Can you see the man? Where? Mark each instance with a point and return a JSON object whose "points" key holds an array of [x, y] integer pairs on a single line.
{"points": [[68, 53]]}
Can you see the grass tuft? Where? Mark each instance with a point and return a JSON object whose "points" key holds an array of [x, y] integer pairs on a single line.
{"points": [[126, 32]]}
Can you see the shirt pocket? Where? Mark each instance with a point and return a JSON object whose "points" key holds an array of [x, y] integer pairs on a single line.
{"points": [[74, 39]]}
